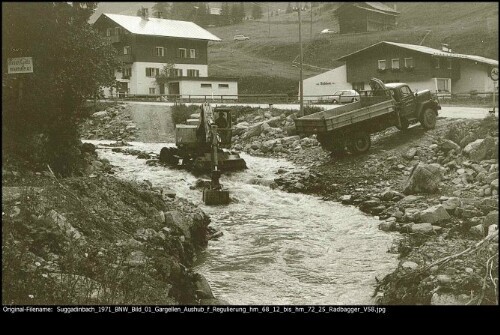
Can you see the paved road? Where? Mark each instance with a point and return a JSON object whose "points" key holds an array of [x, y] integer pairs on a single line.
{"points": [[446, 111]]}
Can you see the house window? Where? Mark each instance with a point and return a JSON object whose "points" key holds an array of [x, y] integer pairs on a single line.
{"points": [[181, 53], [152, 72], [206, 85], [436, 63], [381, 64], [117, 31], [193, 73], [192, 53], [449, 63], [152, 90], [126, 50], [160, 51], [175, 73], [442, 85], [223, 85], [127, 72], [395, 63], [409, 62], [108, 31]]}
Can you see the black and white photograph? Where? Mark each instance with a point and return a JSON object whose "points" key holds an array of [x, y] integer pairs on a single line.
{"points": [[249, 157]]}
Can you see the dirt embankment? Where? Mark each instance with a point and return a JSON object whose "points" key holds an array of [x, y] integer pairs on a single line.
{"points": [[98, 240], [437, 188]]}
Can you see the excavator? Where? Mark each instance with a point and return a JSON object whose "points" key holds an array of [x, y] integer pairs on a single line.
{"points": [[202, 146]]}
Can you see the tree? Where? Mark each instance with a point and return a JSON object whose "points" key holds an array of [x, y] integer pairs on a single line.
{"points": [[225, 15], [71, 62], [256, 11], [165, 74]]}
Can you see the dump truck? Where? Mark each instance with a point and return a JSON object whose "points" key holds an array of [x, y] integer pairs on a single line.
{"points": [[195, 141], [386, 105]]}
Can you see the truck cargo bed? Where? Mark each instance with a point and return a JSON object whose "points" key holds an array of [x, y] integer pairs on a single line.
{"points": [[367, 108]]}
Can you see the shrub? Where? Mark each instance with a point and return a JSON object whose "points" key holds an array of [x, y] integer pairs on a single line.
{"points": [[180, 113]]}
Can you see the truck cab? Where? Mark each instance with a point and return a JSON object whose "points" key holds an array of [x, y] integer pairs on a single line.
{"points": [[414, 107]]}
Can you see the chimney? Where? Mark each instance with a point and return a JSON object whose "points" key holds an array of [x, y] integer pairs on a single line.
{"points": [[445, 47], [394, 6], [145, 13]]}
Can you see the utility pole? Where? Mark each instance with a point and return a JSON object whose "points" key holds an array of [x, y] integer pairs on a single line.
{"points": [[268, 20], [301, 86], [311, 29]]}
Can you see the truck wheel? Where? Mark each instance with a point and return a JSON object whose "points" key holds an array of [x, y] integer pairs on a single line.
{"points": [[360, 143], [335, 101], [428, 119], [404, 124]]}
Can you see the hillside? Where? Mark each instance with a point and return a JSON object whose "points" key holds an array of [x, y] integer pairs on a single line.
{"points": [[466, 27]]}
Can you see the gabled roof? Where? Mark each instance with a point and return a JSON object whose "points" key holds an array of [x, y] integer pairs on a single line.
{"points": [[377, 7], [429, 51], [161, 27]]}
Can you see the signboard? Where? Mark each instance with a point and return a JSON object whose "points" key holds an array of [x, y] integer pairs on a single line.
{"points": [[494, 73], [20, 65]]}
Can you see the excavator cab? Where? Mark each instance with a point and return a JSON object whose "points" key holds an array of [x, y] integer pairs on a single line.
{"points": [[195, 142]]}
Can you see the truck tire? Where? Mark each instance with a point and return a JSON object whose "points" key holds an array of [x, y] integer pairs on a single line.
{"points": [[428, 118], [335, 101], [360, 143], [404, 124], [330, 143]]}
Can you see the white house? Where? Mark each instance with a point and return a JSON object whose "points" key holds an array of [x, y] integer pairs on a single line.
{"points": [[322, 86], [146, 45]]}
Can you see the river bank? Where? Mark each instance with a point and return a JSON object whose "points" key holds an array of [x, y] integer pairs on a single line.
{"points": [[438, 189], [96, 239]]}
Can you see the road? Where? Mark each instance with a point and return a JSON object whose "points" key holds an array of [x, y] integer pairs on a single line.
{"points": [[446, 111]]}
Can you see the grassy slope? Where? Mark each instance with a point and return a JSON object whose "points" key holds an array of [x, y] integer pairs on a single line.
{"points": [[467, 27]]}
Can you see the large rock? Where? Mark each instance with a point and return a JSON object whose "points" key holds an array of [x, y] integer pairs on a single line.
{"points": [[176, 219], [253, 131], [447, 145], [100, 114], [434, 214], [477, 231], [60, 221], [488, 205], [422, 228], [490, 219], [391, 195], [289, 139], [203, 290], [480, 149], [451, 204], [410, 153], [424, 178], [240, 128]]}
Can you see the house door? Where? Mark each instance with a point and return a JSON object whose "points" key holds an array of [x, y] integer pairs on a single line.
{"points": [[162, 88], [122, 89], [173, 89]]}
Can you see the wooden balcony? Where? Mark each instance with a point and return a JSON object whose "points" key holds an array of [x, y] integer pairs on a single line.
{"points": [[113, 39], [126, 58]]}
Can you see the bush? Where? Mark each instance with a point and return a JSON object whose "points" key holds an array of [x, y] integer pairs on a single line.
{"points": [[180, 113]]}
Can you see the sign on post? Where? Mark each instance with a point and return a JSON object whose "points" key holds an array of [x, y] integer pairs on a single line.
{"points": [[20, 65]]}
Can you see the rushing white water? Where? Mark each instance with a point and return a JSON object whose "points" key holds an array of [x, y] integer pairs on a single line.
{"points": [[277, 247]]}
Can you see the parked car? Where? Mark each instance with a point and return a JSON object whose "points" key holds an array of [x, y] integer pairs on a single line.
{"points": [[241, 37], [345, 96], [328, 31]]}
